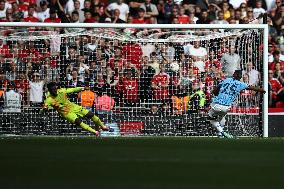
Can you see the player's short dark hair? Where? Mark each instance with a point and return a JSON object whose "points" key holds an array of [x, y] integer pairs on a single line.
{"points": [[51, 84]]}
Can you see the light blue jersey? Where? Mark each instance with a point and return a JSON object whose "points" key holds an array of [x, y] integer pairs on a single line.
{"points": [[229, 90]]}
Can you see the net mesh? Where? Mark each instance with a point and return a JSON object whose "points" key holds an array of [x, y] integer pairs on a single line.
{"points": [[141, 80]]}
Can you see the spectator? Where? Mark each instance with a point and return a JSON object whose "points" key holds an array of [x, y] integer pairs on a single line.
{"points": [[31, 15], [197, 99], [199, 55], [44, 11], [180, 103], [22, 86], [150, 9], [73, 80], [129, 89], [226, 11], [83, 69], [36, 90], [113, 81], [253, 74], [212, 64], [182, 17], [1, 97], [115, 17], [154, 110], [141, 17], [23, 6], [78, 8], [258, 10], [5, 51], [17, 14], [165, 109], [9, 16], [104, 104], [168, 9], [49, 70], [132, 52], [123, 8], [161, 12], [100, 84], [276, 88], [75, 17], [88, 16], [236, 3], [11, 71], [203, 19], [12, 99], [230, 62], [278, 73], [69, 7], [87, 97], [2, 9], [276, 59], [53, 17], [146, 76], [221, 19], [160, 85]]}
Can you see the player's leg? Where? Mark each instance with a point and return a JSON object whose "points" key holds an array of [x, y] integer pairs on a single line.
{"points": [[213, 118], [217, 119], [73, 118], [97, 121], [86, 126]]}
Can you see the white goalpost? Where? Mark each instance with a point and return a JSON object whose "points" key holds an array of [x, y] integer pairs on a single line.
{"points": [[149, 74]]}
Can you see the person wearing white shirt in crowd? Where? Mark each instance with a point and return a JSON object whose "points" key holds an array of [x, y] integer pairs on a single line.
{"points": [[69, 7], [270, 4], [12, 99], [77, 7], [83, 69], [123, 8], [150, 10], [33, 12], [220, 19], [236, 3], [230, 62], [2, 9], [199, 55], [252, 73], [44, 13], [7, 5], [147, 49], [36, 90], [258, 9]]}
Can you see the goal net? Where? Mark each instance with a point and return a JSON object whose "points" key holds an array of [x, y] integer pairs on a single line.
{"points": [[142, 80]]}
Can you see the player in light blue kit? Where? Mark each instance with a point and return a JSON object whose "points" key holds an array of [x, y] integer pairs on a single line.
{"points": [[225, 95]]}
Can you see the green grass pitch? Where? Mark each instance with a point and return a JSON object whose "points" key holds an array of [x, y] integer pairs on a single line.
{"points": [[141, 162]]}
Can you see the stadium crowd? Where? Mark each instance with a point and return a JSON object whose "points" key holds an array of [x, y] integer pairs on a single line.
{"points": [[127, 74]]}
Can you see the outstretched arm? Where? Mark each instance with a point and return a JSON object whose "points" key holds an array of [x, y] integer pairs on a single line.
{"points": [[74, 90], [257, 89]]}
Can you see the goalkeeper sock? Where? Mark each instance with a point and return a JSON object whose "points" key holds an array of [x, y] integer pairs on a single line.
{"points": [[87, 127], [97, 121]]}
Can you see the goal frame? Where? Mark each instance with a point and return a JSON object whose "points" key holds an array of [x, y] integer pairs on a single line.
{"points": [[177, 26]]}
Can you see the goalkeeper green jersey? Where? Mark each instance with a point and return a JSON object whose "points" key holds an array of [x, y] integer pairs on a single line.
{"points": [[61, 102]]}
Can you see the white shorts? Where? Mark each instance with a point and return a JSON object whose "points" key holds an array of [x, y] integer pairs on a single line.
{"points": [[217, 111]]}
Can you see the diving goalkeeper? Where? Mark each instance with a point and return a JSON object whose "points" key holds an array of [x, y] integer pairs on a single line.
{"points": [[57, 98]]}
